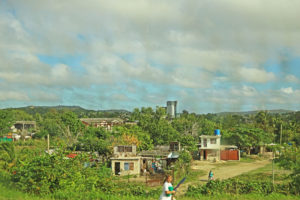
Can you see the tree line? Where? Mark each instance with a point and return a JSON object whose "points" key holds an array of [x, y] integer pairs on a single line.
{"points": [[154, 127]]}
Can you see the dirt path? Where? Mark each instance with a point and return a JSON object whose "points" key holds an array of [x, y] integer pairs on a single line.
{"points": [[224, 171]]}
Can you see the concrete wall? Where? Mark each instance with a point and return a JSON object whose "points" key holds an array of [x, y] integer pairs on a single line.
{"points": [[208, 143], [125, 154], [211, 154]]}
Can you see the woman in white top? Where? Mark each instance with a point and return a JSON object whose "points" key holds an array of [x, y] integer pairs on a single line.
{"points": [[167, 190]]}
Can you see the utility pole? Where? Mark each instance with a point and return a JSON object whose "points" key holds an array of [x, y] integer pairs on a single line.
{"points": [[23, 134], [48, 142], [280, 133], [273, 175], [273, 157]]}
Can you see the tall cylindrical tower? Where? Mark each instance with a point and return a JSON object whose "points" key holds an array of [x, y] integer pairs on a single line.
{"points": [[171, 108]]}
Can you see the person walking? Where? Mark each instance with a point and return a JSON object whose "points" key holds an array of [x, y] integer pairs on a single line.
{"points": [[167, 190]]}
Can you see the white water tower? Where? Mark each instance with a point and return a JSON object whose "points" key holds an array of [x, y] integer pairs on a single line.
{"points": [[171, 108]]}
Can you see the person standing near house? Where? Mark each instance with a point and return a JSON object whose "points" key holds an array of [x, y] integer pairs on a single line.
{"points": [[210, 175], [168, 189], [154, 166]]}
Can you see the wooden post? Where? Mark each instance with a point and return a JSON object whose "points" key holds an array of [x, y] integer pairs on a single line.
{"points": [[280, 133], [23, 131], [273, 169], [48, 142], [173, 174], [146, 178]]}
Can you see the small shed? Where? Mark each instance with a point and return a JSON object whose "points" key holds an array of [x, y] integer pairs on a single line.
{"points": [[230, 152]]}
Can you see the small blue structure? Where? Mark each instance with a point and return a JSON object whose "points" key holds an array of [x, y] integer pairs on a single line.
{"points": [[217, 132]]}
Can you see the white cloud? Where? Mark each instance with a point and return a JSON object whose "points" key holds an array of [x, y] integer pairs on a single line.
{"points": [[13, 95], [187, 44], [119, 97], [245, 91], [42, 96], [291, 78], [255, 75], [288, 90]]}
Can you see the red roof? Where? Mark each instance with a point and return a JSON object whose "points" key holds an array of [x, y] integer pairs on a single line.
{"points": [[85, 123], [72, 155]]}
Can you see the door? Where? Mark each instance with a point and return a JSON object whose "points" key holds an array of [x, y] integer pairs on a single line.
{"points": [[205, 143], [117, 168], [204, 154]]}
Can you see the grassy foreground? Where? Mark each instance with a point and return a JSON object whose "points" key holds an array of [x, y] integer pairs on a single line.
{"points": [[11, 194]]}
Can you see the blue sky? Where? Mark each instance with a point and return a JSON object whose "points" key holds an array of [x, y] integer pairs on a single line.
{"points": [[210, 56]]}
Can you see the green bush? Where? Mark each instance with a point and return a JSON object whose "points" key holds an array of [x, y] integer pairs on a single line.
{"points": [[182, 165], [7, 154], [68, 178], [289, 159], [236, 186], [48, 173]]}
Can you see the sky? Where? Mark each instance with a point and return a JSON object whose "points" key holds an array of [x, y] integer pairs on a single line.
{"points": [[209, 55]]}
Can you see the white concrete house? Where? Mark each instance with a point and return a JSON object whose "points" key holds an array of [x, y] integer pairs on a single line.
{"points": [[125, 161], [210, 147]]}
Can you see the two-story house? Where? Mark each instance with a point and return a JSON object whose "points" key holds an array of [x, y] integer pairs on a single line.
{"points": [[125, 161], [210, 146]]}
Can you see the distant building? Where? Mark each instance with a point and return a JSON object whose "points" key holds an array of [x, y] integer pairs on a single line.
{"points": [[131, 123], [175, 146], [20, 126], [25, 128], [171, 108], [107, 123]]}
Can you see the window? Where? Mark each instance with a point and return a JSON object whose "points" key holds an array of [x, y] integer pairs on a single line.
{"points": [[174, 146], [120, 148], [213, 141], [128, 166], [124, 148], [131, 166], [205, 142], [128, 149]]}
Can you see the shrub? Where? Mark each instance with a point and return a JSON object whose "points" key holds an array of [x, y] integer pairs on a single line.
{"points": [[235, 186], [45, 173], [7, 154]]}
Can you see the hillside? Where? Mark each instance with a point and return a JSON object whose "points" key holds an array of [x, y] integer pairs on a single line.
{"points": [[276, 111], [81, 112]]}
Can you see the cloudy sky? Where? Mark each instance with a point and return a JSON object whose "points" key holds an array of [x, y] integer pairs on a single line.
{"points": [[210, 55]]}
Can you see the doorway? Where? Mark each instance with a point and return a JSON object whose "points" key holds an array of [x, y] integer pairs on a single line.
{"points": [[117, 168], [205, 142]]}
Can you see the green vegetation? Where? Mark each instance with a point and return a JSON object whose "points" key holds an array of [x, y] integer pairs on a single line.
{"points": [[265, 173], [28, 172], [6, 121], [289, 159]]}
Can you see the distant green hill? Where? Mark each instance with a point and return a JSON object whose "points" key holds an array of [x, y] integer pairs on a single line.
{"points": [[278, 111], [81, 112]]}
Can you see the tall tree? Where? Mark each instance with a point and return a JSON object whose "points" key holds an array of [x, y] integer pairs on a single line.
{"points": [[133, 135], [6, 121], [246, 137]]}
